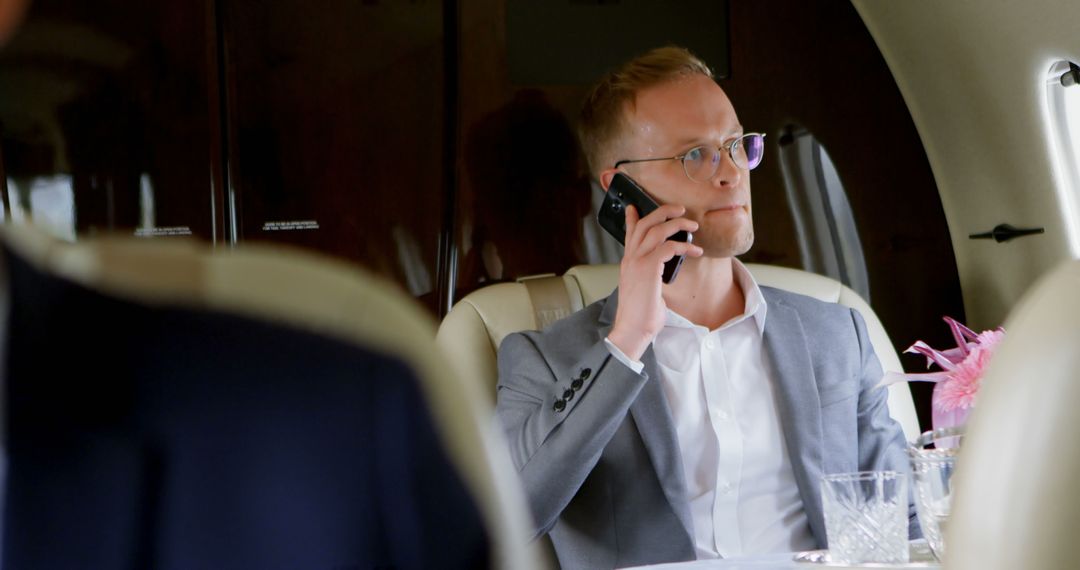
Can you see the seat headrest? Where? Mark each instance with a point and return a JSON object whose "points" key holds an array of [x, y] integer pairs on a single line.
{"points": [[313, 292], [1017, 504]]}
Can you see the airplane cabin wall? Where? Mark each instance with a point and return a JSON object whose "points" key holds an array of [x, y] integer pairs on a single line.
{"points": [[974, 79], [815, 66]]}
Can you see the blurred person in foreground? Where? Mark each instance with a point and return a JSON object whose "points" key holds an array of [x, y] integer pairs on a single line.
{"points": [[695, 419], [164, 437]]}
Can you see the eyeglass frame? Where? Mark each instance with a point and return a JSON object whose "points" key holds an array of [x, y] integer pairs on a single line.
{"points": [[726, 146]]}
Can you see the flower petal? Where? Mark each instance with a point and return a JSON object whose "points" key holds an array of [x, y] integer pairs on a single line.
{"points": [[960, 333], [956, 355], [932, 355]]}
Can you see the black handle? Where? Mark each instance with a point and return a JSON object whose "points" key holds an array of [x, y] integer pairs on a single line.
{"points": [[1005, 232]]}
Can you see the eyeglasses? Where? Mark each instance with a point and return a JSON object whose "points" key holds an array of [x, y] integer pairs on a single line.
{"points": [[701, 162]]}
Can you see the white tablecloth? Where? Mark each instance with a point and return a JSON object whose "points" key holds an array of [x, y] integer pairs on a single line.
{"points": [[920, 553], [771, 561]]}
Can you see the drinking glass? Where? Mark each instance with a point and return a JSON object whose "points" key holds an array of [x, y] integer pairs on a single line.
{"points": [[932, 471], [866, 516]]}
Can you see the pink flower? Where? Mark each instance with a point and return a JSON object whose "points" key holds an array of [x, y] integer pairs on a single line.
{"points": [[960, 374], [958, 390]]}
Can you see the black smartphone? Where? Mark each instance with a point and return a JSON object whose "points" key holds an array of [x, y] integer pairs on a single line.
{"points": [[623, 192]]}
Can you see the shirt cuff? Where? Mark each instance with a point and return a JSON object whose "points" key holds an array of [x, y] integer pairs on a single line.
{"points": [[634, 365]]}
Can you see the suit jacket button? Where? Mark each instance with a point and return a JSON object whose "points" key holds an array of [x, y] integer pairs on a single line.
{"points": [[568, 395], [576, 384], [585, 374], [560, 405]]}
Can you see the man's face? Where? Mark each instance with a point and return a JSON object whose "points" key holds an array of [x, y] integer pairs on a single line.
{"points": [[670, 119]]}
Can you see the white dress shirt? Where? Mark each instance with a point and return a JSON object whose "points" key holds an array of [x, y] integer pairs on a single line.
{"points": [[721, 393]]}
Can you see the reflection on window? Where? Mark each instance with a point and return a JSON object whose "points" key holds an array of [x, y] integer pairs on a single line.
{"points": [[47, 201], [1063, 97], [411, 259], [526, 195], [824, 223], [146, 202]]}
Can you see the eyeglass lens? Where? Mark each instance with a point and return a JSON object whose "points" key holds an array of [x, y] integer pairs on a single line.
{"points": [[702, 162]]}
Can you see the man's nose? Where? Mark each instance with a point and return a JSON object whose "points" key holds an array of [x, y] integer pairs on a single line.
{"points": [[727, 173]]}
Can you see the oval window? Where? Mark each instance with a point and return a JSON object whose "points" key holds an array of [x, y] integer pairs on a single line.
{"points": [[824, 223], [1063, 118]]}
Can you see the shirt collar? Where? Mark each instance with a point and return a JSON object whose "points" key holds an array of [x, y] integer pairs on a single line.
{"points": [[755, 306], [755, 301]]}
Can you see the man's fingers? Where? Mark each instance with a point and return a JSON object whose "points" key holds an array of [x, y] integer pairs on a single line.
{"points": [[637, 228], [660, 215], [657, 216], [670, 249], [659, 233]]}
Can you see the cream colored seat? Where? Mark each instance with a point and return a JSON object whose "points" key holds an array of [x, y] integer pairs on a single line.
{"points": [[316, 293], [473, 330], [1017, 502]]}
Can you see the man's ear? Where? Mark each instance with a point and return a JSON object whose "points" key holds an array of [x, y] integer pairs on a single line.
{"points": [[606, 176], [11, 13]]}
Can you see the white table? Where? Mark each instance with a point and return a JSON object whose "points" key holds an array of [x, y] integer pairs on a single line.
{"points": [[770, 561], [919, 549]]}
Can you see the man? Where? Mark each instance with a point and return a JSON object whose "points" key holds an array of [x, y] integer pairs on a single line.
{"points": [[693, 419]]}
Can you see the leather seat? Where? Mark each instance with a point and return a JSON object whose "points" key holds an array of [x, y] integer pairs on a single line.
{"points": [[1017, 503], [308, 291], [472, 331]]}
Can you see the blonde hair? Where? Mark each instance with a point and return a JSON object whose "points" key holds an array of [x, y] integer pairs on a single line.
{"points": [[603, 115]]}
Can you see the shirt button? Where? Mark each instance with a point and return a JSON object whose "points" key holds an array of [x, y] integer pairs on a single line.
{"points": [[721, 415], [725, 487], [709, 344]]}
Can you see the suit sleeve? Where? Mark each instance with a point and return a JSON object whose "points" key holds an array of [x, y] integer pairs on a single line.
{"points": [[882, 446], [558, 422]]}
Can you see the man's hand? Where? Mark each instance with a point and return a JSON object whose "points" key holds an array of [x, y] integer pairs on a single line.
{"points": [[641, 312]]}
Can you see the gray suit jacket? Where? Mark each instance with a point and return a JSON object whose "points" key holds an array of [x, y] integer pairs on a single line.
{"points": [[596, 447]]}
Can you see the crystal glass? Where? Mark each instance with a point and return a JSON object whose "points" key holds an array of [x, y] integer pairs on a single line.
{"points": [[866, 517], [932, 471]]}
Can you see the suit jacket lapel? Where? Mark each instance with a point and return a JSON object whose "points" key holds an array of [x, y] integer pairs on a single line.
{"points": [[657, 429], [798, 403], [652, 416]]}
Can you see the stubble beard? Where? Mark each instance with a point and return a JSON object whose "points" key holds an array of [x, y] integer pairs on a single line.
{"points": [[721, 246], [730, 247]]}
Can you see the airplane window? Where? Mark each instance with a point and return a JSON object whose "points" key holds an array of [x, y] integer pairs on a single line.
{"points": [[1071, 100], [824, 223], [1063, 94]]}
